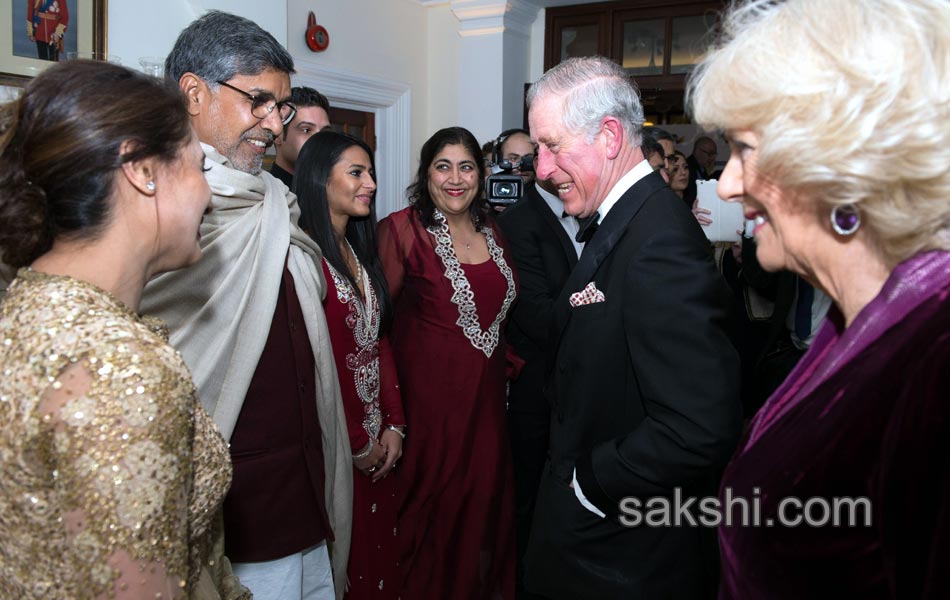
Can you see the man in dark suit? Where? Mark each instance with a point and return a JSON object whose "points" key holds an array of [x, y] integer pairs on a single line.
{"points": [[541, 240], [645, 383]]}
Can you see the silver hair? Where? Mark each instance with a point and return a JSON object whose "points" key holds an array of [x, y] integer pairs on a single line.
{"points": [[592, 88], [218, 45]]}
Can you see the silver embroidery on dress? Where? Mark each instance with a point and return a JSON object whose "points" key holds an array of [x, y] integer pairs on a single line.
{"points": [[464, 297], [363, 321]]}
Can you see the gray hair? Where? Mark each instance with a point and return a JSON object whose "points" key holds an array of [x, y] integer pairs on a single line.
{"points": [[218, 45], [592, 88]]}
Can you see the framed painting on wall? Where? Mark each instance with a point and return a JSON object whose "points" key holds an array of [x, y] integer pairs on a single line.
{"points": [[35, 33]]}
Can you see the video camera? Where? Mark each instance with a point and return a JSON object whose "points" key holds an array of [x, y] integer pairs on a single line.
{"points": [[503, 188]]}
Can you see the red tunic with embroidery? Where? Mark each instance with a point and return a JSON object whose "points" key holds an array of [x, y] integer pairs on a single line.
{"points": [[457, 518], [371, 401]]}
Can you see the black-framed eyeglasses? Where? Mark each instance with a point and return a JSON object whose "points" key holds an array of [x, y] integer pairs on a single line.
{"points": [[264, 104]]}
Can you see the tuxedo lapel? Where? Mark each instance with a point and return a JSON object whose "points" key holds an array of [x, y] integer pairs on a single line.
{"points": [[551, 221], [608, 234]]}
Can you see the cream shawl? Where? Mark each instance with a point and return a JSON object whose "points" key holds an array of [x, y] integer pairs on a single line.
{"points": [[219, 312]]}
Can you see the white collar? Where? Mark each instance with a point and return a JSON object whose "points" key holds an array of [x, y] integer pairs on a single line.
{"points": [[638, 172]]}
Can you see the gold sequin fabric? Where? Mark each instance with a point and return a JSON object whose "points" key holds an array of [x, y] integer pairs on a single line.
{"points": [[112, 473]]}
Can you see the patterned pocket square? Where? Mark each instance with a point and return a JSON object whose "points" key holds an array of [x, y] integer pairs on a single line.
{"points": [[589, 295]]}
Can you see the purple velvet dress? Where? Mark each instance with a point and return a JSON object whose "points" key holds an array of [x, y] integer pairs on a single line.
{"points": [[866, 413]]}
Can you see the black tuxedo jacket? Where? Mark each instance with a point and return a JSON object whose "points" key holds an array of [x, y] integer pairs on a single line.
{"points": [[645, 399], [544, 257]]}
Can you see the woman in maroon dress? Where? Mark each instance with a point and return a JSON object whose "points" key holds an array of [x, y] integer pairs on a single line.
{"points": [[836, 114], [452, 286], [336, 185]]}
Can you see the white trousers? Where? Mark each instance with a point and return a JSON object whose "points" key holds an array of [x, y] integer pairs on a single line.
{"points": [[302, 576]]}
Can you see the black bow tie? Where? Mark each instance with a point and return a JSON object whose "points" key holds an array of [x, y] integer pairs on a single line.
{"points": [[587, 228]]}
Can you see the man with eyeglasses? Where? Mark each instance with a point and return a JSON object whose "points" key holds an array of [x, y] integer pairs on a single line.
{"points": [[666, 141], [516, 147], [249, 322]]}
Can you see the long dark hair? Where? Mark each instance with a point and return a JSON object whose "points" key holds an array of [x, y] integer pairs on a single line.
{"points": [[60, 149], [314, 168], [418, 191]]}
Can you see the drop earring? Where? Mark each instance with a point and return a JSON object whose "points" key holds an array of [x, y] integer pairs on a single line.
{"points": [[150, 186]]}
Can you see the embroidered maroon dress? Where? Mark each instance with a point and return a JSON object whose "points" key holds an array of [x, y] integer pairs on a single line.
{"points": [[456, 523], [371, 401]]}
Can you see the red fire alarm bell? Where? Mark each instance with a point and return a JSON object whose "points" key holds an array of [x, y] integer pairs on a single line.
{"points": [[317, 37]]}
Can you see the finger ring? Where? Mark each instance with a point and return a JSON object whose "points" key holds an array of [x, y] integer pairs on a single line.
{"points": [[372, 469]]}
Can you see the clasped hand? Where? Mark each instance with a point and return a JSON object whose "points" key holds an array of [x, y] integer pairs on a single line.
{"points": [[382, 458]]}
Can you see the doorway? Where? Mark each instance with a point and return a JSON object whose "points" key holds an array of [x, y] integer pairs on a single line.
{"points": [[357, 123]]}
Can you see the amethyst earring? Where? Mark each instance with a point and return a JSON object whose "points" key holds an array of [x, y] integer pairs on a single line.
{"points": [[845, 219]]}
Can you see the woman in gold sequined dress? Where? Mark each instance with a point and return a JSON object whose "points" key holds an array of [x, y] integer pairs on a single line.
{"points": [[113, 474]]}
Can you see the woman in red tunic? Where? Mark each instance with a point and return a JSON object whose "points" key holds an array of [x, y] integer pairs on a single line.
{"points": [[335, 185], [452, 285]]}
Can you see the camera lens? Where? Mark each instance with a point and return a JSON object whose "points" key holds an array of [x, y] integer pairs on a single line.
{"points": [[504, 190]]}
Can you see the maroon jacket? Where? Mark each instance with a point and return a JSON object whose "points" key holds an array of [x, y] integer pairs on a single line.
{"points": [[276, 506]]}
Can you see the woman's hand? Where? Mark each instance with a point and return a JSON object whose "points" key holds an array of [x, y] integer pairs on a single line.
{"points": [[700, 213], [371, 465], [392, 442]]}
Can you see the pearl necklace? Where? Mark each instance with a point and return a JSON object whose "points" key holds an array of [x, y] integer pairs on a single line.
{"points": [[464, 298]]}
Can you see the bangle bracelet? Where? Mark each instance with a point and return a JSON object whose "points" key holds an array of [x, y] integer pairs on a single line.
{"points": [[365, 452], [398, 429]]}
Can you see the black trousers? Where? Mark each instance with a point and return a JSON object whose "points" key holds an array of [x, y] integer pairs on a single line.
{"points": [[529, 427], [46, 51]]}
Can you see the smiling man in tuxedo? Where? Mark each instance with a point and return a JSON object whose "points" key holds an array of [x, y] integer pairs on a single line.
{"points": [[644, 383]]}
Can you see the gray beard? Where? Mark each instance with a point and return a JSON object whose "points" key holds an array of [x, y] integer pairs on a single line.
{"points": [[253, 168]]}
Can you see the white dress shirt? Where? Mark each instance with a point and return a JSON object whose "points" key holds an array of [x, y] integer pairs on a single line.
{"points": [[569, 223]]}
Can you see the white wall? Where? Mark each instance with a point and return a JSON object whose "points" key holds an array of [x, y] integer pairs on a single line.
{"points": [[516, 57], [443, 58], [536, 60], [382, 38], [138, 29]]}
